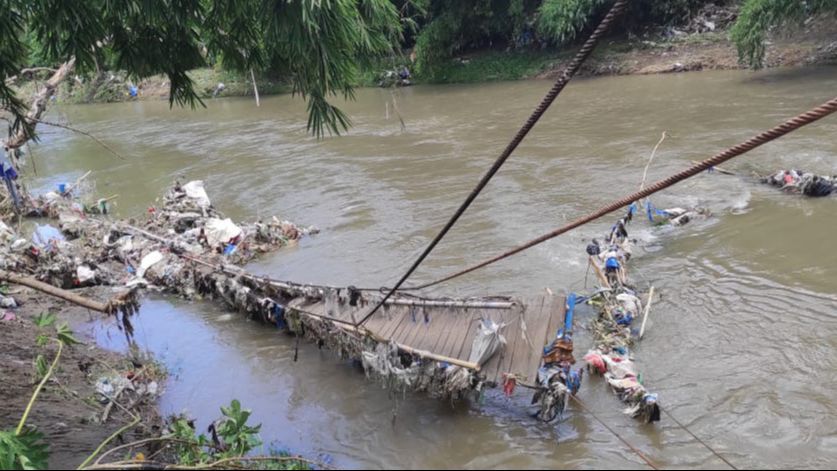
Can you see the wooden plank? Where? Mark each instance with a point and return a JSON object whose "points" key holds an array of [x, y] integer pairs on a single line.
{"points": [[315, 308], [518, 343], [440, 320], [408, 327], [528, 356], [421, 329], [460, 316], [470, 330], [452, 316], [468, 342], [394, 320], [556, 319], [451, 346], [463, 333]]}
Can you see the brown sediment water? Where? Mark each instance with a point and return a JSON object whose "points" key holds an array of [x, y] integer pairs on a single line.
{"points": [[741, 347]]}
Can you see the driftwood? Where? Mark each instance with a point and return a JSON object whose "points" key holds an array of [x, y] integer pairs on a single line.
{"points": [[28, 72], [39, 104], [107, 308], [720, 170]]}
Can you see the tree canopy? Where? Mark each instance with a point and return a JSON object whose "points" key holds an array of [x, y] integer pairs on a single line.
{"points": [[318, 44], [321, 46], [453, 26]]}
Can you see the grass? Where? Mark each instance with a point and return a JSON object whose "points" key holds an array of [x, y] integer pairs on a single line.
{"points": [[492, 66]]}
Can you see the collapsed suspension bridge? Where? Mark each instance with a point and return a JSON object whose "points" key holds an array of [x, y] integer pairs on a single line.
{"points": [[452, 347]]}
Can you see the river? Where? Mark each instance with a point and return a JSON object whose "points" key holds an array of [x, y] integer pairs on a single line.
{"points": [[741, 347]]}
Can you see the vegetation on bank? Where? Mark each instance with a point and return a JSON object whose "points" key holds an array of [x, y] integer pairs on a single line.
{"points": [[325, 49], [232, 441]]}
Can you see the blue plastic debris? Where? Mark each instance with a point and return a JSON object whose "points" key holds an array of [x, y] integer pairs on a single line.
{"points": [[45, 235]]}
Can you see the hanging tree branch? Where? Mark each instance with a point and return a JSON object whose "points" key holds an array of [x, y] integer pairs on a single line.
{"points": [[25, 132]]}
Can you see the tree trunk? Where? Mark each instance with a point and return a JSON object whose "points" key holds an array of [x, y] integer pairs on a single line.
{"points": [[39, 104]]}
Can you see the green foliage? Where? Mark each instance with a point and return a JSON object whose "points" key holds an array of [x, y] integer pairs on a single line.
{"points": [[190, 449], [561, 20], [757, 17], [454, 26], [494, 66], [41, 366], [25, 450], [44, 319], [232, 437], [318, 44], [238, 437], [12, 55], [65, 335]]}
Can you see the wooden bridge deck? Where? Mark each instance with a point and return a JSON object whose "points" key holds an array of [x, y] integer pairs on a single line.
{"points": [[530, 324]]}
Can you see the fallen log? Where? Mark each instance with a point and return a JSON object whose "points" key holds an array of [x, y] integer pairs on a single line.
{"points": [[107, 308]]}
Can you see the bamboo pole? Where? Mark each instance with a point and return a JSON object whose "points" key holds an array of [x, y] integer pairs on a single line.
{"points": [[53, 291], [721, 170], [647, 312], [651, 159], [255, 87], [602, 278]]}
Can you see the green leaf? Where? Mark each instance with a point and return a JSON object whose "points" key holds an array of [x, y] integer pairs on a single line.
{"points": [[41, 366], [66, 336], [24, 451], [45, 319], [41, 340]]}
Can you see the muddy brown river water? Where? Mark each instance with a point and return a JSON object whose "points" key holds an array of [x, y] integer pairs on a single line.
{"points": [[741, 347]]}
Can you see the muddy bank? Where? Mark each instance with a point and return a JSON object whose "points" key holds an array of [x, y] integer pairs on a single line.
{"points": [[691, 48], [70, 409], [707, 51]]}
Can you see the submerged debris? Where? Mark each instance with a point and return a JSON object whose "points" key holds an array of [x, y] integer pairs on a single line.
{"points": [[799, 181], [619, 304]]}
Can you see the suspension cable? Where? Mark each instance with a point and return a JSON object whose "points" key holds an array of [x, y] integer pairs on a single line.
{"points": [[780, 130], [615, 434], [718, 455], [568, 73]]}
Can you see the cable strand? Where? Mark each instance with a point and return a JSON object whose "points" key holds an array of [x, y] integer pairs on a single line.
{"points": [[568, 73], [780, 130]]}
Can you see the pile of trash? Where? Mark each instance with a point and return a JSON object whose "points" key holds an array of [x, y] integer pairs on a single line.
{"points": [[400, 371], [396, 369], [619, 305], [178, 247], [712, 17], [397, 77], [556, 380], [51, 256], [125, 390], [806, 183]]}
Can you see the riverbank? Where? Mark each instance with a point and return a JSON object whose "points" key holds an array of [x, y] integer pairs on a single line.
{"points": [[69, 412], [812, 44]]}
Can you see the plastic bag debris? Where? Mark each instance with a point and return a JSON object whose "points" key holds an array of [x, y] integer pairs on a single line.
{"points": [[46, 235], [149, 261], [220, 231], [196, 191], [85, 274], [487, 341]]}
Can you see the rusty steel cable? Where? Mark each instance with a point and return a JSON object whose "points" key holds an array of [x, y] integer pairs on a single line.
{"points": [[572, 68], [615, 433], [780, 130], [712, 450]]}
